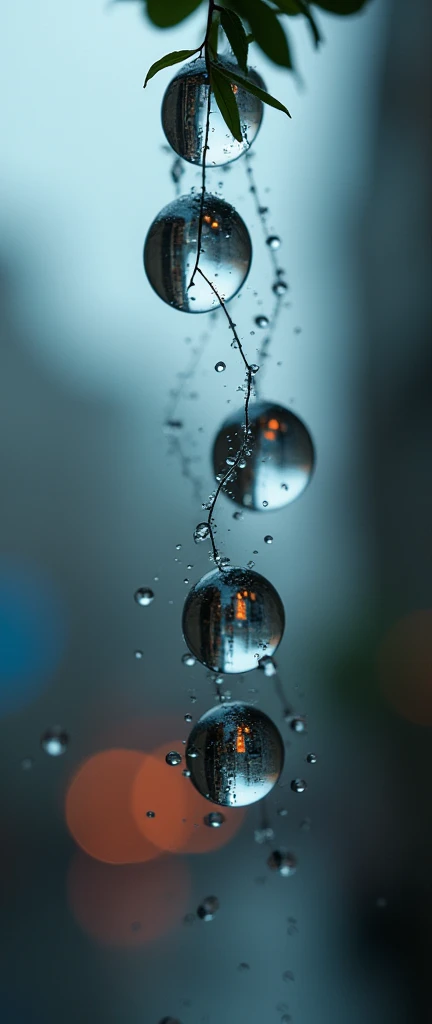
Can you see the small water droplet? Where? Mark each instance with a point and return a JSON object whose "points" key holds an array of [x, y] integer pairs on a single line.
{"points": [[280, 287], [268, 539], [186, 773], [230, 461], [284, 863], [144, 596], [263, 835], [178, 547], [208, 908], [254, 368], [173, 758], [138, 655], [55, 741], [311, 758], [192, 752], [237, 515], [298, 785], [298, 723], [188, 659], [267, 665], [188, 718], [220, 367], [27, 763], [250, 564], [288, 976], [262, 321], [214, 820], [243, 967], [150, 814], [201, 532], [273, 241], [265, 504]]}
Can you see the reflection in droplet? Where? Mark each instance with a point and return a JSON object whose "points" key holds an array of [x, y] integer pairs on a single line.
{"points": [[231, 618], [201, 533], [298, 785], [173, 758], [208, 908], [184, 116], [282, 460], [55, 741], [214, 820], [284, 863], [241, 754], [171, 247], [144, 596]]}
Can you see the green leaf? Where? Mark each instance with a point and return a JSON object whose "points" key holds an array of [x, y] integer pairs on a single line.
{"points": [[266, 29], [166, 62], [165, 13], [226, 102], [236, 36], [302, 8], [341, 6], [239, 79]]}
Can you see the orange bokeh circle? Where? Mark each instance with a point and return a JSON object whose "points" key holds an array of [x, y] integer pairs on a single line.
{"points": [[178, 825], [404, 665], [127, 904], [98, 808]]}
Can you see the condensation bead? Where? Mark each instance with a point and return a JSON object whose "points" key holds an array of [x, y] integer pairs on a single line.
{"points": [[284, 863], [170, 252], [184, 115], [231, 618], [55, 741], [241, 755], [208, 908], [282, 460], [144, 596], [214, 820]]}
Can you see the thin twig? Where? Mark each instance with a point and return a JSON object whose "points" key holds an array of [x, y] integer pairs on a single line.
{"points": [[206, 138]]}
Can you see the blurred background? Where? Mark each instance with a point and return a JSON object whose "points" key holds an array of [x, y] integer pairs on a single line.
{"points": [[97, 912]]}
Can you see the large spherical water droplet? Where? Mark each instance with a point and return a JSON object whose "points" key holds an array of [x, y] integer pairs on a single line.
{"points": [[284, 863], [282, 460], [184, 116], [231, 617], [144, 596], [241, 755], [171, 247], [55, 741]]}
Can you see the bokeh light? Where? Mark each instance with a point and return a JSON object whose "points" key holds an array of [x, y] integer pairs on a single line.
{"points": [[404, 665], [98, 808], [178, 825], [127, 905], [32, 632]]}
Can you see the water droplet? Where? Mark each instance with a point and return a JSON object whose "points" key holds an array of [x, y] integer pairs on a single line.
{"points": [[230, 460], [188, 659], [284, 863], [262, 321], [170, 253], [237, 515], [188, 718], [208, 908], [178, 547], [228, 616], [282, 812], [273, 241], [214, 820], [144, 596], [263, 835], [298, 785], [186, 773], [188, 91], [150, 814], [254, 368], [243, 967], [55, 741], [311, 758], [247, 749], [201, 532], [173, 758], [192, 752], [220, 367], [251, 564], [27, 764], [298, 723], [267, 665], [265, 504], [280, 287], [268, 539], [288, 976], [138, 655]]}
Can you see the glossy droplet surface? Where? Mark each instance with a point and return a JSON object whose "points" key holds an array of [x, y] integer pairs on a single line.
{"points": [[284, 863], [55, 741], [268, 539], [241, 754], [231, 618], [201, 532], [220, 367], [298, 785], [188, 659], [273, 241], [214, 820], [280, 288], [262, 321], [282, 460], [171, 247], [298, 723], [173, 758], [184, 116], [144, 596], [311, 758]]}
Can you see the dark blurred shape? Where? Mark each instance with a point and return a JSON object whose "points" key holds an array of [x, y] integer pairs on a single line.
{"points": [[235, 754], [404, 666], [282, 457], [231, 618], [127, 905]]}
